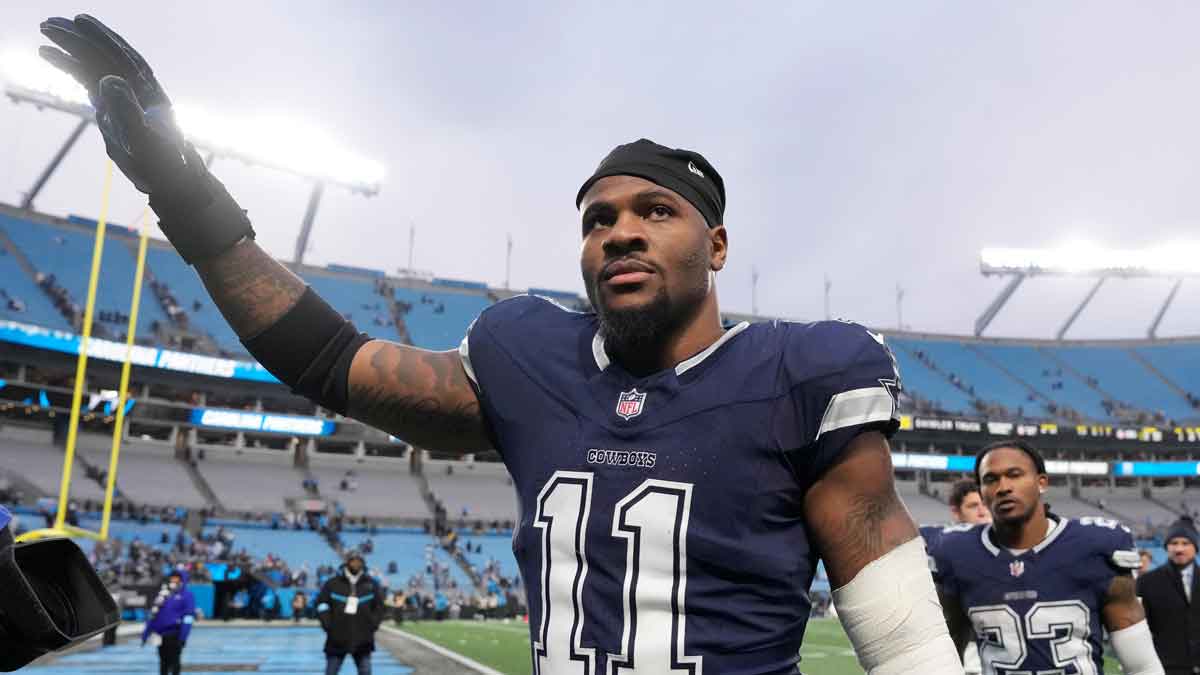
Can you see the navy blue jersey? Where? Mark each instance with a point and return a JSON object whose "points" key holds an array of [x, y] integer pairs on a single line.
{"points": [[932, 534], [662, 517], [1040, 611]]}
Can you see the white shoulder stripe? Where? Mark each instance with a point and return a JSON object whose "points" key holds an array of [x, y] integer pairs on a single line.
{"points": [[1130, 560], [857, 406], [464, 352]]}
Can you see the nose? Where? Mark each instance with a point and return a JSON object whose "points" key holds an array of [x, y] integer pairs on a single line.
{"points": [[1003, 487], [626, 235]]}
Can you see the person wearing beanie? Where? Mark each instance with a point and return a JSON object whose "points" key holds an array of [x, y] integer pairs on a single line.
{"points": [[170, 622], [350, 608], [1171, 596]]}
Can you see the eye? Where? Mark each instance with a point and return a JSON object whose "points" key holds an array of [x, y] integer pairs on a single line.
{"points": [[598, 217], [659, 212]]}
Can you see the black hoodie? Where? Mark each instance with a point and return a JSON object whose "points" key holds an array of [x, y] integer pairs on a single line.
{"points": [[347, 633]]}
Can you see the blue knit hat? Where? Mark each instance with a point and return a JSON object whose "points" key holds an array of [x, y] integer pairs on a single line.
{"points": [[1184, 527]]}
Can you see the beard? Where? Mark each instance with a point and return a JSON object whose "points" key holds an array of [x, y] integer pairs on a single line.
{"points": [[633, 332], [638, 329]]}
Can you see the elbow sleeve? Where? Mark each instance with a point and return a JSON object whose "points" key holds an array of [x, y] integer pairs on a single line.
{"points": [[892, 615]]}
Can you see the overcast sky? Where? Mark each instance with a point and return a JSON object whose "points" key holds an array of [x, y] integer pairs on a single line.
{"points": [[878, 144]]}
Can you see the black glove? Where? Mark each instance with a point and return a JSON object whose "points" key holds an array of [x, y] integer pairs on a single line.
{"points": [[140, 135]]}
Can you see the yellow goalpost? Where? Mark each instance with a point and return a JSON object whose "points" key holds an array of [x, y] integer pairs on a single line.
{"points": [[60, 527]]}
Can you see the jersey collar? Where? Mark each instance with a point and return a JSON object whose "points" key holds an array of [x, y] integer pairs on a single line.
{"points": [[603, 361], [986, 537]]}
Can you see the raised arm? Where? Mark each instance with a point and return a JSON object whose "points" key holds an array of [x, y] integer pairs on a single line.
{"points": [[423, 397], [884, 593]]}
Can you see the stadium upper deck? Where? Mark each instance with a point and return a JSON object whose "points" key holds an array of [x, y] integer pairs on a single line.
{"points": [[43, 283]]}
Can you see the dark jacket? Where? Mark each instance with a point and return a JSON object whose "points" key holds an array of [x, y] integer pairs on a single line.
{"points": [[173, 613], [1174, 623], [350, 633]]}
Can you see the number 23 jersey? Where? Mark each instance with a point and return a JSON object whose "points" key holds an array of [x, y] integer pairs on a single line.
{"points": [[661, 518], [1039, 611]]}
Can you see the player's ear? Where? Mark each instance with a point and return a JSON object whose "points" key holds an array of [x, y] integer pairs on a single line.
{"points": [[1043, 483], [718, 241]]}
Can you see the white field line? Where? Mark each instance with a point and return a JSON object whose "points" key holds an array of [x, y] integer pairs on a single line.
{"points": [[453, 656]]}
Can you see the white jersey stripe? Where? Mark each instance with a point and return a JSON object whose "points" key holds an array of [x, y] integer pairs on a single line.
{"points": [[857, 406]]}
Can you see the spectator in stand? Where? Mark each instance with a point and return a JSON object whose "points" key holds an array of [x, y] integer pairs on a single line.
{"points": [[299, 606], [1147, 561]]}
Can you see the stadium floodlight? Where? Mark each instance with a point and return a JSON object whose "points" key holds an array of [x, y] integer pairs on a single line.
{"points": [[28, 72], [273, 142], [266, 141], [276, 142], [1175, 260], [1083, 259]]}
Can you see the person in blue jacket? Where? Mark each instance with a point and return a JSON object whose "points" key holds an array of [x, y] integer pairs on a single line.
{"points": [[171, 621]]}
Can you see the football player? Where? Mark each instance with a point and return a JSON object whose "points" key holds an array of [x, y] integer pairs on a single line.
{"points": [[966, 508], [1038, 589], [678, 479]]}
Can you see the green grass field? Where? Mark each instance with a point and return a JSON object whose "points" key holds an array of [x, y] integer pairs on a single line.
{"points": [[505, 646]]}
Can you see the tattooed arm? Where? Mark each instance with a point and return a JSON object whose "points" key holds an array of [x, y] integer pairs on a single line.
{"points": [[1122, 608], [251, 288], [854, 512], [421, 396]]}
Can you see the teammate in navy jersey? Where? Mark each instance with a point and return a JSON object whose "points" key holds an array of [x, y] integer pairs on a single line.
{"points": [[966, 508], [1038, 589], [678, 479]]}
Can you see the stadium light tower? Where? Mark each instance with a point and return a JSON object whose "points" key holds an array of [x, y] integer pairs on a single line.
{"points": [[268, 142], [1174, 261]]}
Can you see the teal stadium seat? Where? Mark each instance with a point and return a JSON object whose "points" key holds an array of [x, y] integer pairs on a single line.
{"points": [[67, 253], [38, 311], [1042, 373], [439, 319], [927, 383], [357, 299], [184, 283], [1180, 363], [1119, 374]]}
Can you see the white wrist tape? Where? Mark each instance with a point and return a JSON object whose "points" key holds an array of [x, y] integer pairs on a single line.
{"points": [[1135, 650], [891, 613]]}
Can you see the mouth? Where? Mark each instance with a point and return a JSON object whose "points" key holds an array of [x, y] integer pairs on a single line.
{"points": [[625, 272], [1005, 505]]}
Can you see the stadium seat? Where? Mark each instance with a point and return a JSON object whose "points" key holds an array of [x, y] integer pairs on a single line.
{"points": [[927, 383], [21, 290], [1178, 362], [956, 358], [383, 489], [1121, 376], [253, 480], [483, 489], [439, 319], [1046, 375], [184, 283], [297, 547], [355, 297], [64, 252]]}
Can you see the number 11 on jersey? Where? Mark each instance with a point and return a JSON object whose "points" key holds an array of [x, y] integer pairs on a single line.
{"points": [[652, 520]]}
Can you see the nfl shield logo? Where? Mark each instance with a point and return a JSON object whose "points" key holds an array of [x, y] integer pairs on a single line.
{"points": [[629, 403], [1016, 568]]}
